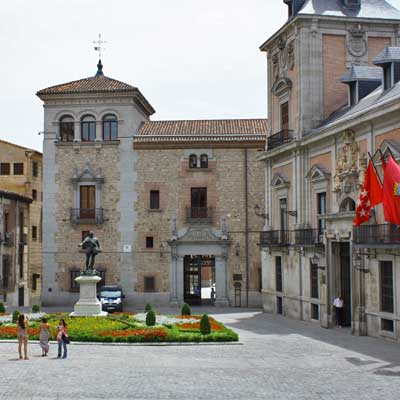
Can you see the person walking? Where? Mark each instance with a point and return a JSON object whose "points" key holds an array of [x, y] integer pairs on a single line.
{"points": [[44, 337], [338, 303], [62, 338], [22, 333]]}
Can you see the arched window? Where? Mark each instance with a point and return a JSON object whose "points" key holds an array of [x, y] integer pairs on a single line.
{"points": [[110, 127], [193, 161], [67, 129], [347, 204], [88, 128], [204, 161]]}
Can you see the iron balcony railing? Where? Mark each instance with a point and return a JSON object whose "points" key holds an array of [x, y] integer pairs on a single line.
{"points": [[198, 214], [307, 237], [274, 238], [376, 235], [84, 215], [285, 136]]}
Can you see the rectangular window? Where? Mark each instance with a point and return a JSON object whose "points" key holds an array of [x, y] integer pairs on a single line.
{"points": [[315, 311], [21, 260], [198, 203], [6, 222], [18, 168], [278, 273], [154, 199], [87, 202], [314, 281], [387, 303], [149, 284], [35, 278], [149, 242], [6, 272], [387, 325], [279, 305], [74, 286], [321, 209], [35, 169], [34, 194], [259, 279], [285, 116], [283, 214], [4, 168], [34, 233]]}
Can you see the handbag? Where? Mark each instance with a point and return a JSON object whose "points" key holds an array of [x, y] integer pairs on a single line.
{"points": [[65, 338]]}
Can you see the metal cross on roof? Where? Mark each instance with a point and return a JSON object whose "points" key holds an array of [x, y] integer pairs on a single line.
{"points": [[99, 48]]}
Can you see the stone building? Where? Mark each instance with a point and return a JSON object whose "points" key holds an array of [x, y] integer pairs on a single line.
{"points": [[334, 96], [21, 173], [107, 168]]}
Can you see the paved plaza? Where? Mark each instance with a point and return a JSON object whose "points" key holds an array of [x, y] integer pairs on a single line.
{"points": [[278, 359]]}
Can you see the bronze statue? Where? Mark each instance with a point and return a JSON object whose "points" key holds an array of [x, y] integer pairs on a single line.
{"points": [[91, 246]]}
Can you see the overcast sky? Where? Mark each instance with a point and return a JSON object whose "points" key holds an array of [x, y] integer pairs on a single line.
{"points": [[192, 59]]}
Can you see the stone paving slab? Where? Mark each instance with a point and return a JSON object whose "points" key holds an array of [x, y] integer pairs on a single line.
{"points": [[279, 359]]}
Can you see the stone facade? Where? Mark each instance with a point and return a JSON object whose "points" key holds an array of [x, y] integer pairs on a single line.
{"points": [[27, 183], [314, 175]]}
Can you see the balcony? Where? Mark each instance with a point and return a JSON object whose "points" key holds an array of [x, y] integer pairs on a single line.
{"points": [[384, 235], [87, 215], [307, 237], [285, 136], [7, 239], [199, 215], [274, 238]]}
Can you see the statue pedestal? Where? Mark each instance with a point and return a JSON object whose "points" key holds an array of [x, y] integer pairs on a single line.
{"points": [[88, 304]]}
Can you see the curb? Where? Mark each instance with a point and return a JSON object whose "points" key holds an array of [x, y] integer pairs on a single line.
{"points": [[164, 344]]}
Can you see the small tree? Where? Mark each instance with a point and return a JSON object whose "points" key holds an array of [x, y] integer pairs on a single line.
{"points": [[148, 307], [15, 316], [151, 318], [186, 310], [2, 308], [35, 308], [205, 326]]}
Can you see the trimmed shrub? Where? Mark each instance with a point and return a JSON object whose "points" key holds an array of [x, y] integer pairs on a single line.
{"points": [[148, 307], [205, 326], [186, 310], [2, 308], [15, 316], [35, 308], [151, 318]]}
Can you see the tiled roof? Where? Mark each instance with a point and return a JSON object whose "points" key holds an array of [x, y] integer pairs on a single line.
{"points": [[205, 127], [390, 54], [363, 73], [95, 84], [375, 9]]}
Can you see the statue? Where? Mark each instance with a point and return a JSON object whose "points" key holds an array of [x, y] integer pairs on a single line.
{"points": [[91, 246]]}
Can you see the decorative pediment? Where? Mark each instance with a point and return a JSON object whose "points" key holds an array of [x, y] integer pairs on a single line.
{"points": [[279, 180], [387, 147], [199, 234], [281, 86], [318, 172], [87, 175]]}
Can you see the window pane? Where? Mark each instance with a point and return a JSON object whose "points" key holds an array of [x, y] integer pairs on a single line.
{"points": [[5, 169], [18, 168], [387, 303], [35, 168], [278, 270], [149, 242], [154, 199]]}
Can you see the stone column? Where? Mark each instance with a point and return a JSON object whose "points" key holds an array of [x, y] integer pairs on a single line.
{"points": [[77, 132], [179, 279], [99, 131], [174, 277], [221, 282]]}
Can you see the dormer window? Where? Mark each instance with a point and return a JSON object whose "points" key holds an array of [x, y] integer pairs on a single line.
{"points": [[389, 61], [387, 76]]}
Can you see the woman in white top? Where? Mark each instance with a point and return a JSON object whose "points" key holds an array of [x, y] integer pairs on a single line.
{"points": [[338, 303]]}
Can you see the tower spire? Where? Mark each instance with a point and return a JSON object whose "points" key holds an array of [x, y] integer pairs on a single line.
{"points": [[99, 49]]}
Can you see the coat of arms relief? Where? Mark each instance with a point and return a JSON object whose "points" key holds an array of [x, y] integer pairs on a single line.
{"points": [[283, 60], [350, 168]]}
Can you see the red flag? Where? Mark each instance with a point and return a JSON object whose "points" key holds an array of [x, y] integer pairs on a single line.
{"points": [[391, 192], [370, 195]]}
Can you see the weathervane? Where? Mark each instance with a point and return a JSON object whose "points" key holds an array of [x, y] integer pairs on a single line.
{"points": [[98, 48]]}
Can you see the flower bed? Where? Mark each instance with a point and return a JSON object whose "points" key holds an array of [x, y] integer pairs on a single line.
{"points": [[127, 328]]}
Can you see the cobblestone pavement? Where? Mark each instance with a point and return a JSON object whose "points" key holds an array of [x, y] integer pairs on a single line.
{"points": [[279, 359]]}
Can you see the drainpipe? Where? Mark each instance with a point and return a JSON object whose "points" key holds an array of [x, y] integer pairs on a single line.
{"points": [[246, 202]]}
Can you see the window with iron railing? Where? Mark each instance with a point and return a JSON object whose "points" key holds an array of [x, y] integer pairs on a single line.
{"points": [[386, 275], [278, 274]]}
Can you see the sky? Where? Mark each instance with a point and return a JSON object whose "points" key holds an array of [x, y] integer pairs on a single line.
{"points": [[191, 59]]}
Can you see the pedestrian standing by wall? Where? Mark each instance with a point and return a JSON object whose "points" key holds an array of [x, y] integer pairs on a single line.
{"points": [[44, 337], [23, 335], [62, 338], [338, 303]]}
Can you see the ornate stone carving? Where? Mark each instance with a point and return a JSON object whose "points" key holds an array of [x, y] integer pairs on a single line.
{"points": [[275, 66], [174, 229], [290, 55], [356, 43], [224, 229]]}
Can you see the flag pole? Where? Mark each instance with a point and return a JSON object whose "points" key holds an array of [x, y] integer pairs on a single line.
{"points": [[373, 164]]}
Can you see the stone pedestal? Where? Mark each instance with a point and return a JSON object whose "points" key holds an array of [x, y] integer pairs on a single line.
{"points": [[88, 305]]}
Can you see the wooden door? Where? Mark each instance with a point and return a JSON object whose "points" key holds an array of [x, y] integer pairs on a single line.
{"points": [[345, 282]]}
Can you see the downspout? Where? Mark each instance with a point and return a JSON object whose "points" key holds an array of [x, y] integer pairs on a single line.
{"points": [[246, 203]]}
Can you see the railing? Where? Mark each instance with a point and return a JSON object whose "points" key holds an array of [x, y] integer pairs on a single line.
{"points": [[307, 237], [278, 139], [376, 235], [198, 215], [274, 238], [7, 239], [83, 215]]}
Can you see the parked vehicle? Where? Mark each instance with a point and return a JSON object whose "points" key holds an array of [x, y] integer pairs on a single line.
{"points": [[111, 297]]}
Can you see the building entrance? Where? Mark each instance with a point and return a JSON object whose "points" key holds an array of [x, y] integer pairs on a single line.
{"points": [[199, 279], [345, 282]]}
